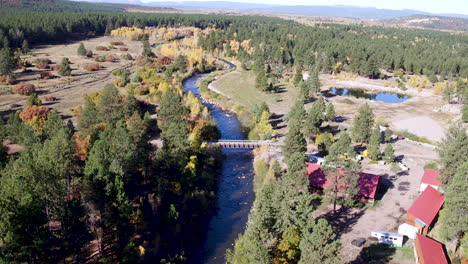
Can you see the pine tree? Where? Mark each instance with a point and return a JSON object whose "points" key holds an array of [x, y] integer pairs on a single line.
{"points": [[297, 76], [319, 244], [313, 82], [454, 216], [341, 149], [387, 135], [313, 122], [147, 52], [297, 112], [453, 152], [81, 50], [389, 154], [88, 116], [7, 62], [261, 82], [294, 141], [330, 112], [374, 144], [65, 69], [25, 47], [362, 124], [110, 105]]}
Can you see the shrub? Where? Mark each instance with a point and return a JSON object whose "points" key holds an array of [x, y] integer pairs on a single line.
{"points": [[110, 58], [33, 100], [46, 75], [101, 48], [92, 67], [100, 59], [431, 165], [6, 80], [42, 66], [123, 49], [54, 67], [165, 60], [24, 89], [49, 98], [126, 56], [89, 54], [42, 60], [141, 90], [117, 43], [34, 111]]}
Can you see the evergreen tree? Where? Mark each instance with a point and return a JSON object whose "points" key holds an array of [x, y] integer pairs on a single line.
{"points": [[387, 135], [294, 141], [33, 100], [389, 153], [297, 76], [341, 149], [374, 144], [313, 82], [330, 112], [172, 123], [110, 105], [25, 47], [81, 50], [261, 82], [88, 116], [319, 244], [147, 52], [313, 122], [65, 69], [454, 217], [362, 124], [7, 62], [453, 152]]}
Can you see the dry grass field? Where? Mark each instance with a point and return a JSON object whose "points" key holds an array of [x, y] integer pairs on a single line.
{"points": [[69, 90]]}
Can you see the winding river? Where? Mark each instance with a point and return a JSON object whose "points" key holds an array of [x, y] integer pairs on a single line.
{"points": [[235, 191]]}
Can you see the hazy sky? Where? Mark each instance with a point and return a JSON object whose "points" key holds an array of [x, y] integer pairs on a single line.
{"points": [[433, 6]]}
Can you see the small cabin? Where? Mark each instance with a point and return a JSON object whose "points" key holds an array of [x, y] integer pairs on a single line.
{"points": [[429, 179], [429, 251], [424, 211], [388, 238]]}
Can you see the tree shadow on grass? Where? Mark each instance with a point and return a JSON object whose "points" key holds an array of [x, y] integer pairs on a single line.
{"points": [[375, 253]]}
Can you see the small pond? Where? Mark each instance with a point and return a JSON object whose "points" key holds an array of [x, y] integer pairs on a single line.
{"points": [[386, 97]]}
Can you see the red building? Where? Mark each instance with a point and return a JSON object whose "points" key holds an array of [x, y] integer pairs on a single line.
{"points": [[368, 183], [428, 251], [429, 179], [423, 213]]}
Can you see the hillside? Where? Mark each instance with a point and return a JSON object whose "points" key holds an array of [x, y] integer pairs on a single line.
{"points": [[430, 22]]}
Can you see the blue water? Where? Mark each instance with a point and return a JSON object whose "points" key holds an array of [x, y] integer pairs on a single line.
{"points": [[385, 97], [235, 193]]}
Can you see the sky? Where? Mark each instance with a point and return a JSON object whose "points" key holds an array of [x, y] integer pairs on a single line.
{"points": [[432, 6]]}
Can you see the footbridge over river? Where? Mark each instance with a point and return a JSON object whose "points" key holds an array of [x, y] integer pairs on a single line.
{"points": [[247, 144]]}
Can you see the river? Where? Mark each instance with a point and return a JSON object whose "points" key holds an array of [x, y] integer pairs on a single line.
{"points": [[235, 191]]}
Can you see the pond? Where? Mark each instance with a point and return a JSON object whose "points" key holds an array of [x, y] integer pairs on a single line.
{"points": [[386, 97]]}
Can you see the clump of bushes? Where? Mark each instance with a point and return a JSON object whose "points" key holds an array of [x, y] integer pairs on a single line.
{"points": [[92, 67], [42, 66], [6, 80], [42, 60], [117, 43], [54, 67], [24, 89], [33, 100], [100, 59], [49, 98], [102, 48], [123, 49], [30, 112], [413, 137]]}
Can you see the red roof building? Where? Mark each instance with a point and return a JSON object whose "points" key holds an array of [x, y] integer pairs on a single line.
{"points": [[368, 183], [429, 179], [429, 251], [423, 213]]}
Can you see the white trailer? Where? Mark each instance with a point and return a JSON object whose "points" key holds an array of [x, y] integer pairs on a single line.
{"points": [[408, 230], [393, 239]]}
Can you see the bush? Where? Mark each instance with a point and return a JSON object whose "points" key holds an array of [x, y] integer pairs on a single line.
{"points": [[42, 66], [34, 111], [6, 80], [431, 165], [100, 59], [46, 75], [110, 58], [101, 48], [164, 60], [413, 137], [54, 67], [141, 90], [49, 98], [42, 60], [89, 54], [126, 56], [33, 100], [117, 43], [24, 89], [111, 47], [465, 114], [92, 67], [123, 49]]}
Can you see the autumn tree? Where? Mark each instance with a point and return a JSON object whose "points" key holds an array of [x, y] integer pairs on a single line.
{"points": [[362, 124]]}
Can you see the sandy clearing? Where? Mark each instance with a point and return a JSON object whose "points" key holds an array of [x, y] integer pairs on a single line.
{"points": [[422, 126]]}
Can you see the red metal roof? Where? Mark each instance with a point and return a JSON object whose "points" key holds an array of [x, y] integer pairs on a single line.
{"points": [[430, 177], [431, 250], [427, 205], [368, 183]]}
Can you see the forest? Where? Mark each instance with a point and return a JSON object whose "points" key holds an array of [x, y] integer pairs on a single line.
{"points": [[100, 186]]}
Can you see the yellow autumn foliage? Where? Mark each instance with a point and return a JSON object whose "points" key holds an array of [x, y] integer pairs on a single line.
{"points": [[439, 87]]}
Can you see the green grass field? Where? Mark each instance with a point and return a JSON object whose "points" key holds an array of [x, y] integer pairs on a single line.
{"points": [[239, 85]]}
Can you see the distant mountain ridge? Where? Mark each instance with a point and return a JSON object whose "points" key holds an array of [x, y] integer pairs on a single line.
{"points": [[354, 12], [430, 22]]}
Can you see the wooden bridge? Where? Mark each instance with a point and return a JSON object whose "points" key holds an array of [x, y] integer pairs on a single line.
{"points": [[246, 144]]}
